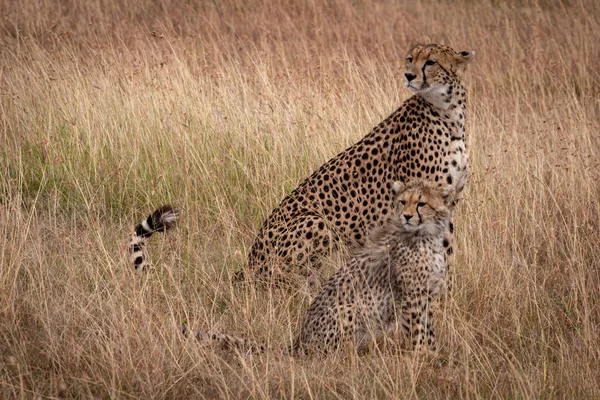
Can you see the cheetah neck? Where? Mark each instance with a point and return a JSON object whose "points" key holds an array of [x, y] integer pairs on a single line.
{"points": [[450, 101], [431, 229], [396, 228]]}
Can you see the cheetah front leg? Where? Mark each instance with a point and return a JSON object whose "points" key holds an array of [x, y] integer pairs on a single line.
{"points": [[448, 244], [428, 332], [417, 320]]}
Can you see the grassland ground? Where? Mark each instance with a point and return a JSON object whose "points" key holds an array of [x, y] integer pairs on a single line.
{"points": [[111, 108]]}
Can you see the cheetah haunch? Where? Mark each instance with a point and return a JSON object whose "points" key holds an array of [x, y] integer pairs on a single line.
{"points": [[349, 194], [391, 282]]}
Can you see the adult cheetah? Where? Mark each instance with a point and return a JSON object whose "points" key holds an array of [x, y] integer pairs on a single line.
{"points": [[391, 281], [349, 194]]}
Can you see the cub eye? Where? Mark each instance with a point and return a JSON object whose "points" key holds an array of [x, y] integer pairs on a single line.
{"points": [[421, 204], [429, 62], [409, 59]]}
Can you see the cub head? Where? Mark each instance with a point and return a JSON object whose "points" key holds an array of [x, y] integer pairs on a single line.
{"points": [[421, 205], [434, 67]]}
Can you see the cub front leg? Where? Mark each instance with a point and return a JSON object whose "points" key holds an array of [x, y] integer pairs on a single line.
{"points": [[417, 321]]}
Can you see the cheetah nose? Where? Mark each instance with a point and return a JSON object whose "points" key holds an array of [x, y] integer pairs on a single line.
{"points": [[409, 76], [407, 217]]}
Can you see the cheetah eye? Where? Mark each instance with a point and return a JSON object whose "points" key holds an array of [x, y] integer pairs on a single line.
{"points": [[421, 204], [429, 62], [409, 59]]}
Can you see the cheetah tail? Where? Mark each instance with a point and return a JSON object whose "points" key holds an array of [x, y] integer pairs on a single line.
{"points": [[224, 341], [161, 220]]}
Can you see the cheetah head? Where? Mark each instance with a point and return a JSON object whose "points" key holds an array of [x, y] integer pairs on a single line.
{"points": [[422, 206], [433, 68]]}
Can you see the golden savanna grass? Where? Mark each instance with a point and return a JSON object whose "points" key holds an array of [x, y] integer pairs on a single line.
{"points": [[110, 108]]}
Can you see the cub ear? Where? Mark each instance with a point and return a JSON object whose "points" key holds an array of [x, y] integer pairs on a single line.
{"points": [[449, 196], [398, 187], [465, 57]]}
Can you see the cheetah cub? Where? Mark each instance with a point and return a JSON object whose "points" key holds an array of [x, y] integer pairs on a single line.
{"points": [[391, 281]]}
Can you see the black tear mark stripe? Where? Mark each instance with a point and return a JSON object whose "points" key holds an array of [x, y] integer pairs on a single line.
{"points": [[444, 69], [418, 213]]}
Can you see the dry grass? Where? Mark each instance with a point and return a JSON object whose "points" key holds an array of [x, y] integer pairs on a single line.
{"points": [[111, 108]]}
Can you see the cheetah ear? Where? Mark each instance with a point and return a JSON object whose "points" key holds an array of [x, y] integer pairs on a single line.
{"points": [[465, 57], [398, 187], [449, 196]]}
